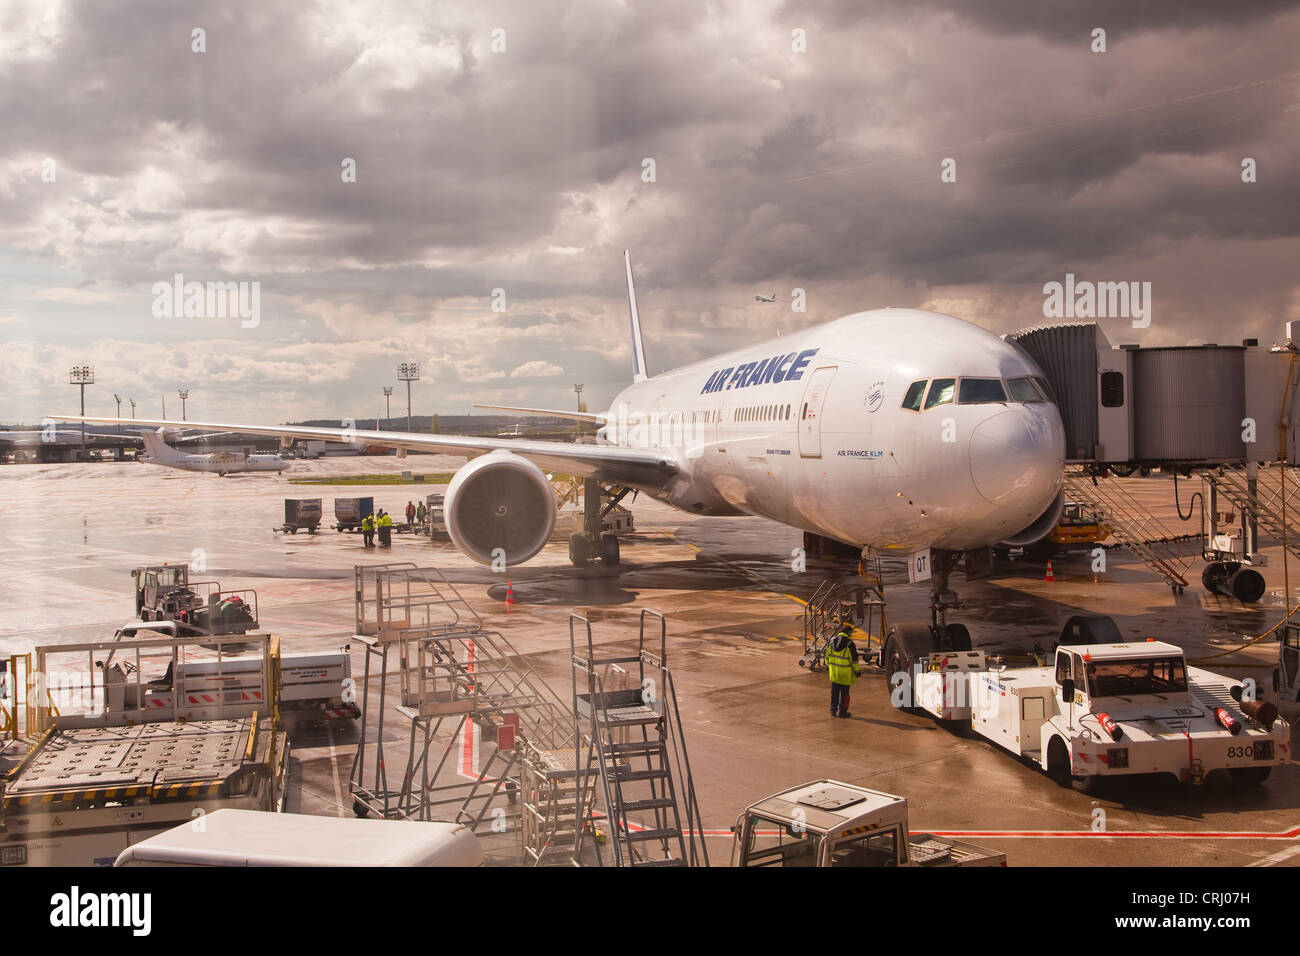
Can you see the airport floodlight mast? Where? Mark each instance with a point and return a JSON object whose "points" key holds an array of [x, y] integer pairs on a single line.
{"points": [[408, 372], [578, 390], [388, 402], [82, 375], [184, 393], [132, 401]]}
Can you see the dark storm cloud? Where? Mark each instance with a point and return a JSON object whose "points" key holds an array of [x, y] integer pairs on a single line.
{"points": [[775, 169], [1063, 21]]}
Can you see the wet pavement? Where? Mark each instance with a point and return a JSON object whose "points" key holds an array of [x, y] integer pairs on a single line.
{"points": [[756, 722]]}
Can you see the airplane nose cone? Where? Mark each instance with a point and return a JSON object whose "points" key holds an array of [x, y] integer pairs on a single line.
{"points": [[1016, 457]]}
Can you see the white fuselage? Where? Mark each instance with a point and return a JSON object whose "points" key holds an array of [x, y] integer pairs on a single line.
{"points": [[810, 430], [158, 452]]}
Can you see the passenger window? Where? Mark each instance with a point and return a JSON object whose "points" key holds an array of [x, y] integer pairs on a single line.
{"points": [[981, 391], [1024, 390], [940, 393], [915, 392], [1112, 389]]}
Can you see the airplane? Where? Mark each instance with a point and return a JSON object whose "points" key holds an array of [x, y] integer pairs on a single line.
{"points": [[765, 298], [158, 452], [897, 430]]}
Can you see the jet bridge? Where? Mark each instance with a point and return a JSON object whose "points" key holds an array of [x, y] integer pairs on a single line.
{"points": [[1221, 411]]}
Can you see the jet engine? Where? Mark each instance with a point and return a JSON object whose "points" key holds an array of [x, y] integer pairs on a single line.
{"points": [[500, 506], [1041, 527]]}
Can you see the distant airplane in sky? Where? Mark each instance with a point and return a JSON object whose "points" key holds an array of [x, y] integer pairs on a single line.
{"points": [[766, 298]]}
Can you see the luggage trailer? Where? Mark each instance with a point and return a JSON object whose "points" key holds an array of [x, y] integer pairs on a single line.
{"points": [[1105, 710], [117, 758]]}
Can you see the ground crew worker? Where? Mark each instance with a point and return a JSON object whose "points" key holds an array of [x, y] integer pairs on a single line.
{"points": [[842, 662], [385, 526], [368, 531], [410, 513], [419, 514]]}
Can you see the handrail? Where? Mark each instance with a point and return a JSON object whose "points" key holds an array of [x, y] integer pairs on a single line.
{"points": [[694, 820]]}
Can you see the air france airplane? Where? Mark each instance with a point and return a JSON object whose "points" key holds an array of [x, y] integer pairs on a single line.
{"points": [[158, 452], [895, 429]]}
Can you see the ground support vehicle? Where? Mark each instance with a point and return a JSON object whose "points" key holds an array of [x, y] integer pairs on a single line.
{"points": [[1100, 710], [165, 592], [829, 823]]}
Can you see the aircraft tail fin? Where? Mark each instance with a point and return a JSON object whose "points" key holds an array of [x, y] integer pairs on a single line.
{"points": [[156, 447], [639, 373]]}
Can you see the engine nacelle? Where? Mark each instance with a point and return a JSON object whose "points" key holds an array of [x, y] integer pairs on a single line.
{"points": [[500, 501], [1041, 527]]}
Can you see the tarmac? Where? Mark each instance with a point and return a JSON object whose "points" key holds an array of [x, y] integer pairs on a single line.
{"points": [[756, 722]]}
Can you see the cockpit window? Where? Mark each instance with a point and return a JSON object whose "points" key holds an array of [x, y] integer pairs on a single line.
{"points": [[940, 393], [1045, 388], [915, 392], [1024, 390], [981, 391]]}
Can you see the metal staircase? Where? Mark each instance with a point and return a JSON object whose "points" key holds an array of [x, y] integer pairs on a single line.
{"points": [[461, 686], [1276, 490], [634, 742], [1132, 525]]}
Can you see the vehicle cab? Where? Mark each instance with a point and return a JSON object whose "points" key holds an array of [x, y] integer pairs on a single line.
{"points": [[1286, 677], [828, 823], [1139, 708]]}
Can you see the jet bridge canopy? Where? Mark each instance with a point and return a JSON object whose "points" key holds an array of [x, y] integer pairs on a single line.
{"points": [[1185, 405]]}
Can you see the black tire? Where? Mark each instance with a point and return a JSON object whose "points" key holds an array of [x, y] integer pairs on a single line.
{"points": [[609, 548], [1091, 629], [359, 809], [1249, 776], [1247, 585], [579, 550], [906, 642], [893, 660], [1213, 576], [954, 637], [1058, 768]]}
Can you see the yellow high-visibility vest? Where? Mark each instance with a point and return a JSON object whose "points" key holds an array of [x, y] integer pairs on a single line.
{"points": [[840, 665]]}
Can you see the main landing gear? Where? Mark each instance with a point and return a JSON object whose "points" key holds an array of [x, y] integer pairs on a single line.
{"points": [[590, 543]]}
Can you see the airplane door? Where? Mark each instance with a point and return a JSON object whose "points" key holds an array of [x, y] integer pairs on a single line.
{"points": [[810, 412]]}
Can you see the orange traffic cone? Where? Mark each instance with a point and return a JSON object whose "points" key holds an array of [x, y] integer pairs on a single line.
{"points": [[510, 598], [1050, 576]]}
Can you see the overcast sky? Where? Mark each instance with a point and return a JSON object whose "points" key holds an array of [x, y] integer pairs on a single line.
{"points": [[523, 170]]}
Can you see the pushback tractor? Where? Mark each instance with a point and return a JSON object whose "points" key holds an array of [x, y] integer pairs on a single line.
{"points": [[1102, 708]]}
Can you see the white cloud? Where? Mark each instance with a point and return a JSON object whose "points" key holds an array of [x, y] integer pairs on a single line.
{"points": [[537, 369]]}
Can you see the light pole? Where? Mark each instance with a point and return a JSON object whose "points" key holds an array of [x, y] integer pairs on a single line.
{"points": [[118, 398], [408, 372], [82, 375], [184, 393], [578, 389], [132, 401], [388, 402]]}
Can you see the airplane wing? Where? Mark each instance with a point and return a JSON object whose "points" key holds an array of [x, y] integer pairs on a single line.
{"points": [[591, 417], [646, 469]]}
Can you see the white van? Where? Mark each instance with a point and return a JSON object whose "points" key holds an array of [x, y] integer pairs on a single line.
{"points": [[255, 838]]}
